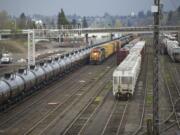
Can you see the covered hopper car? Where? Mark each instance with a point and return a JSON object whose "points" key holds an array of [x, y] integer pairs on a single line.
{"points": [[126, 74], [172, 48]]}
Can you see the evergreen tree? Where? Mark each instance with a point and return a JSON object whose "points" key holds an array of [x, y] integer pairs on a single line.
{"points": [[169, 19], [22, 21], [85, 24], [5, 21], [178, 12], [62, 20], [22, 16]]}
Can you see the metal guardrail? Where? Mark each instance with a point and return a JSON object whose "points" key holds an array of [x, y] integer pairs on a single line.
{"points": [[90, 30]]}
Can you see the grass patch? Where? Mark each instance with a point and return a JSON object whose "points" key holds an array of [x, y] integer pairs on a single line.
{"points": [[149, 99], [13, 46]]}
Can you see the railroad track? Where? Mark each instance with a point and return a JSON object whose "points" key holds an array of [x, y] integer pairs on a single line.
{"points": [[173, 91], [96, 87], [65, 77], [53, 86], [144, 95], [52, 117], [136, 120], [11, 123], [81, 121], [12, 118], [25, 109], [116, 118]]}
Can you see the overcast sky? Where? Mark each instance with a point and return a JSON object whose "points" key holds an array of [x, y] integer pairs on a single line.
{"points": [[81, 7]]}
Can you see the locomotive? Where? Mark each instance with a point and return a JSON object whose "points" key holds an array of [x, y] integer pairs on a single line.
{"points": [[104, 51]]}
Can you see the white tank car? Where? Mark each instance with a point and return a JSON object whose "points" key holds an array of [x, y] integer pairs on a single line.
{"points": [[126, 74], [173, 49]]}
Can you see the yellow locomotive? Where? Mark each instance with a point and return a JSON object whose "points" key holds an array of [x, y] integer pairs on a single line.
{"points": [[101, 53]]}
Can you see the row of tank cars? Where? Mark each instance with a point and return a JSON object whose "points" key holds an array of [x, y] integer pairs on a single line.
{"points": [[170, 46], [16, 86], [101, 53], [126, 74]]}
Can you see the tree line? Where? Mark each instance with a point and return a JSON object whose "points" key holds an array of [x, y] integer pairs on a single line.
{"points": [[21, 22], [62, 20], [26, 22], [173, 17]]}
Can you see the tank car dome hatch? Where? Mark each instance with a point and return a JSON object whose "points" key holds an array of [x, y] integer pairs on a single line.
{"points": [[62, 56], [49, 60], [21, 71], [41, 63], [7, 75], [32, 67], [67, 55], [56, 58]]}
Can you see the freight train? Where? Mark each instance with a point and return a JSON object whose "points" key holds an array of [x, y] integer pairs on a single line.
{"points": [[101, 53], [124, 50], [172, 48], [14, 87], [126, 74]]}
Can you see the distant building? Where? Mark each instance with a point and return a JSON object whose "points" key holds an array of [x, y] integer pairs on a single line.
{"points": [[132, 14], [38, 23]]}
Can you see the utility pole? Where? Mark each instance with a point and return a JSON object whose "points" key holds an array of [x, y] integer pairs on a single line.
{"points": [[31, 48], [156, 10]]}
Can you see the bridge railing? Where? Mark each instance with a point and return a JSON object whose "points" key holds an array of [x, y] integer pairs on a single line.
{"points": [[55, 33]]}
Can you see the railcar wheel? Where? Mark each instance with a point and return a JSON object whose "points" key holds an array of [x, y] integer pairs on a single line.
{"points": [[128, 96], [3, 107], [117, 96]]}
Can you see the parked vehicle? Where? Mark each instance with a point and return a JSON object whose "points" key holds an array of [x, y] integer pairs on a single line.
{"points": [[6, 58]]}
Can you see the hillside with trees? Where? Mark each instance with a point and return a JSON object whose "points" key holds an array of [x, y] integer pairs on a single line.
{"points": [[15, 23], [142, 18]]}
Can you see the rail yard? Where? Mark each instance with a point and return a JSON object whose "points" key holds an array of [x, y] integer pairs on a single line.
{"points": [[101, 89], [90, 67]]}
